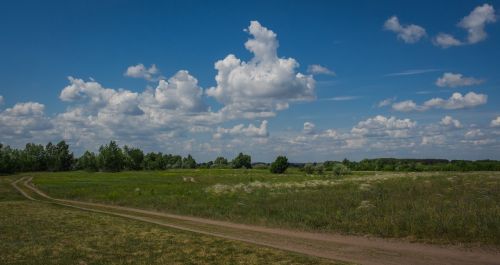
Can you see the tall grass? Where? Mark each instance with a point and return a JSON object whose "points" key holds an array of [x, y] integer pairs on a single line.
{"points": [[445, 207]]}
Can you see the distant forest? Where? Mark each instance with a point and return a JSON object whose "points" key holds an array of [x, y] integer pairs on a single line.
{"points": [[113, 158]]}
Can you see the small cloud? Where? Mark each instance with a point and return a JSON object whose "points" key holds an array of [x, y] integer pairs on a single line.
{"points": [[457, 80], [495, 122], [456, 101], [317, 69], [433, 140], [408, 33], [341, 98], [140, 71], [448, 121], [386, 102], [405, 106], [242, 131], [413, 72], [474, 133], [444, 41], [1, 100], [309, 128]]}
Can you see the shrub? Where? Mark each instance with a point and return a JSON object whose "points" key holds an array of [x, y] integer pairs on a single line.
{"points": [[242, 161], [339, 170], [308, 168], [280, 165]]}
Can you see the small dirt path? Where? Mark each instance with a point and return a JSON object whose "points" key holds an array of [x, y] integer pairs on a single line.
{"points": [[354, 249]]}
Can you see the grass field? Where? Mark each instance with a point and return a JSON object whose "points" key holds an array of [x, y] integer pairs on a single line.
{"points": [[445, 207], [41, 233]]}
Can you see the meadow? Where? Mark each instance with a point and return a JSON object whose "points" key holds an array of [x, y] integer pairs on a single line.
{"points": [[42, 233], [432, 207]]}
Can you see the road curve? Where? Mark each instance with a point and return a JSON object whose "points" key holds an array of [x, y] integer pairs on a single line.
{"points": [[354, 249]]}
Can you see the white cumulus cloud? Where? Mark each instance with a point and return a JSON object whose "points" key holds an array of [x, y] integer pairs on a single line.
{"points": [[445, 40], [448, 121], [457, 80], [381, 125], [456, 101], [317, 69], [474, 24], [433, 140], [408, 33], [386, 102], [240, 130], [23, 121], [181, 91], [309, 128], [140, 71], [495, 122], [263, 84]]}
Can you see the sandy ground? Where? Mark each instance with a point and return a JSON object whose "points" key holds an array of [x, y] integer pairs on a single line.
{"points": [[356, 249]]}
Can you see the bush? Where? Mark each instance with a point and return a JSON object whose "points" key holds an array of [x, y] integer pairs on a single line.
{"points": [[308, 168], [339, 170], [280, 165], [242, 161], [319, 168]]}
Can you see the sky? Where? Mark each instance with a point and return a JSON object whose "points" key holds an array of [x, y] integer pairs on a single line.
{"points": [[312, 80]]}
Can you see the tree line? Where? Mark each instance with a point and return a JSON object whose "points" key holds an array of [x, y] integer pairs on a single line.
{"points": [[395, 164], [113, 158], [109, 158]]}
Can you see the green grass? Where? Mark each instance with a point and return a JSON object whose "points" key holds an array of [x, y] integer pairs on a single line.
{"points": [[41, 233], [445, 207]]}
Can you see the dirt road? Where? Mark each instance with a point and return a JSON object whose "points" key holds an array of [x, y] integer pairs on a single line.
{"points": [[354, 249]]}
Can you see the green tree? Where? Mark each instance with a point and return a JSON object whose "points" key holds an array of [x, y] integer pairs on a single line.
{"points": [[88, 162], [280, 165], [111, 157], [59, 157], [188, 162], [33, 158], [220, 162], [242, 160], [134, 158], [7, 160]]}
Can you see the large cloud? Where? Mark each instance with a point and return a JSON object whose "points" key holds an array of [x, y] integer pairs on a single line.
{"points": [[263, 84], [474, 24], [180, 92], [23, 121], [408, 33]]}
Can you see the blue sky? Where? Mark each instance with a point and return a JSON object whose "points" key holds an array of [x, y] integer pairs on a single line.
{"points": [[309, 85]]}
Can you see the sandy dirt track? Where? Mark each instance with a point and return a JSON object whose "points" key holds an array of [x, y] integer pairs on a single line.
{"points": [[354, 249]]}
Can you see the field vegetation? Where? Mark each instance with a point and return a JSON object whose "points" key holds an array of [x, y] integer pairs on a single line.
{"points": [[41, 233], [437, 207]]}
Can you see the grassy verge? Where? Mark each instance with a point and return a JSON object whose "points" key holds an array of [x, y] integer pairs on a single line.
{"points": [[40, 233], [446, 207]]}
